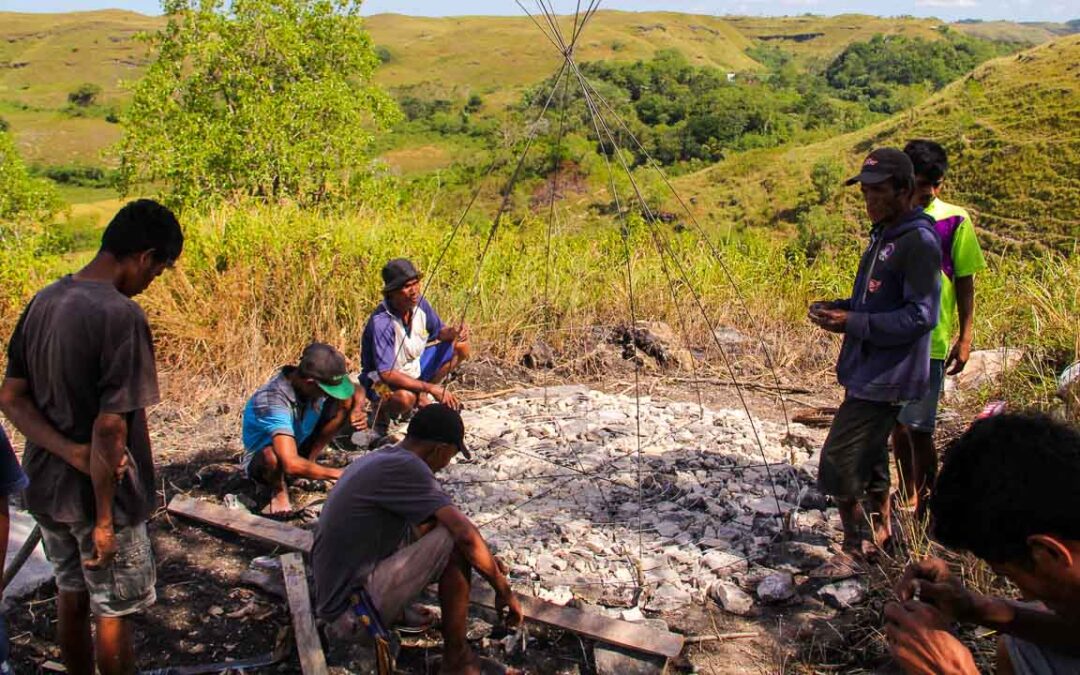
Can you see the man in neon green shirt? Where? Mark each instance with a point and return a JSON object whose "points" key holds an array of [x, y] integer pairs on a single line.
{"points": [[961, 260]]}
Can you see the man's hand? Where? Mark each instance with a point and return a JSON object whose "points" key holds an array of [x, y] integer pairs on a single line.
{"points": [[958, 357], [79, 457], [920, 643], [505, 599], [934, 570], [931, 582], [451, 334], [445, 397], [832, 320], [104, 548]]}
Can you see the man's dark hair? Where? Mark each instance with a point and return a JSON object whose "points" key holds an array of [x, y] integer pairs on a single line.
{"points": [[1006, 479], [930, 160], [144, 225]]}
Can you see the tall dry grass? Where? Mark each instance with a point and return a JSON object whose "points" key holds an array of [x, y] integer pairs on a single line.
{"points": [[256, 283]]}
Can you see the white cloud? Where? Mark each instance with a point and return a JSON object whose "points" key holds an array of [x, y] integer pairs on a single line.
{"points": [[947, 4]]}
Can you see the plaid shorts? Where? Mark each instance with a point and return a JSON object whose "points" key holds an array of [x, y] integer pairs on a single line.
{"points": [[125, 587]]}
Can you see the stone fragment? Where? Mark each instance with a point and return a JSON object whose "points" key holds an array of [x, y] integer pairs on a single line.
{"points": [[612, 660], [720, 561], [732, 598], [843, 594], [633, 615], [776, 587], [560, 595], [767, 506], [668, 597]]}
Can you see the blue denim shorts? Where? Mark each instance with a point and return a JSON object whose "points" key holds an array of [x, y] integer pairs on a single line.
{"points": [[921, 415], [123, 588]]}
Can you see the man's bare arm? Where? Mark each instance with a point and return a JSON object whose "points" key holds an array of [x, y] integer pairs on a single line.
{"points": [[295, 465], [108, 446], [399, 380], [472, 545], [1037, 626], [965, 305], [19, 406]]}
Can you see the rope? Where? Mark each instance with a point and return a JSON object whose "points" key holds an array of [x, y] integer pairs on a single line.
{"points": [[661, 247], [717, 255]]}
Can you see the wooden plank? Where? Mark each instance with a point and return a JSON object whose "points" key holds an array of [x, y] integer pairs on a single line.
{"points": [[244, 523], [312, 661], [612, 631]]}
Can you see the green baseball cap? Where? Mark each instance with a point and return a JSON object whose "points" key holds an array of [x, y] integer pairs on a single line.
{"points": [[327, 367]]}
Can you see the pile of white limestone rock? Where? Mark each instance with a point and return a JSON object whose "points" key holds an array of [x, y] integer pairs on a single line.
{"points": [[642, 504]]}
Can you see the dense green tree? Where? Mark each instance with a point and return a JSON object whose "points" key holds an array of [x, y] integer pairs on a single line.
{"points": [[22, 197], [263, 98]]}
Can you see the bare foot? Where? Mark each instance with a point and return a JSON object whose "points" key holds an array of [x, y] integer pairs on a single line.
{"points": [[279, 504]]}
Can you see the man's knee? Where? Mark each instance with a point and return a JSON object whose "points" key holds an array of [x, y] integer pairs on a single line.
{"points": [[404, 399], [271, 465]]}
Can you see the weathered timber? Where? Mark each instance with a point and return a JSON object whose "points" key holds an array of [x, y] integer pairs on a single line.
{"points": [[312, 660], [239, 521]]}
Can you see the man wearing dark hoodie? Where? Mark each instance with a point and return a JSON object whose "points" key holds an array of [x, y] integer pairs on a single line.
{"points": [[885, 358]]}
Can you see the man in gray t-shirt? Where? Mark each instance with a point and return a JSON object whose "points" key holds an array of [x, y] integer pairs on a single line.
{"points": [[389, 528], [79, 378]]}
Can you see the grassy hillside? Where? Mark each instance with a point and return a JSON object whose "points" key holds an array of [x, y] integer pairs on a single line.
{"points": [[819, 38], [43, 57], [1034, 32], [496, 55], [1011, 130]]}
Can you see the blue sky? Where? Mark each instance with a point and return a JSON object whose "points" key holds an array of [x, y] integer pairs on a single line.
{"points": [[1016, 10]]}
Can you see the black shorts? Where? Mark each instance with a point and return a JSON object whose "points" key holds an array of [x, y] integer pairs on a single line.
{"points": [[855, 458]]}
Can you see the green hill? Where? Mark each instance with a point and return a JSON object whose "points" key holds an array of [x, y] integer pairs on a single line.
{"points": [[1033, 32], [1011, 129], [43, 57]]}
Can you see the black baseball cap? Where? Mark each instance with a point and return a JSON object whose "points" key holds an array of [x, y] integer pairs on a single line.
{"points": [[883, 164], [397, 273], [327, 367], [439, 423]]}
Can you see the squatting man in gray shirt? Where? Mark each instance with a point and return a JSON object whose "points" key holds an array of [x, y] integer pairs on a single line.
{"points": [[390, 529]]}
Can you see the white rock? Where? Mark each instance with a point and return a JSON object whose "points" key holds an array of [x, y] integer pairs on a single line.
{"points": [[718, 561], [633, 615], [668, 597], [843, 594], [776, 587], [732, 598]]}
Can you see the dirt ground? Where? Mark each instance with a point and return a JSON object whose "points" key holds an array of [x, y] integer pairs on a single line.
{"points": [[206, 614]]}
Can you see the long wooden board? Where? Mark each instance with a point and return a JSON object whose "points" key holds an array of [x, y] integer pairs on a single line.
{"points": [[312, 660], [240, 521], [600, 628]]}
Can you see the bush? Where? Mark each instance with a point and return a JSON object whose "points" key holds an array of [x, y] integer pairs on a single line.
{"points": [[23, 198], [85, 95]]}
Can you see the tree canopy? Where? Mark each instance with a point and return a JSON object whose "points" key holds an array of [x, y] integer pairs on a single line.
{"points": [[261, 98], [22, 197]]}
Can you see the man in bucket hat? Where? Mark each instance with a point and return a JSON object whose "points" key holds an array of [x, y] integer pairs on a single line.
{"points": [[292, 418], [406, 351]]}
